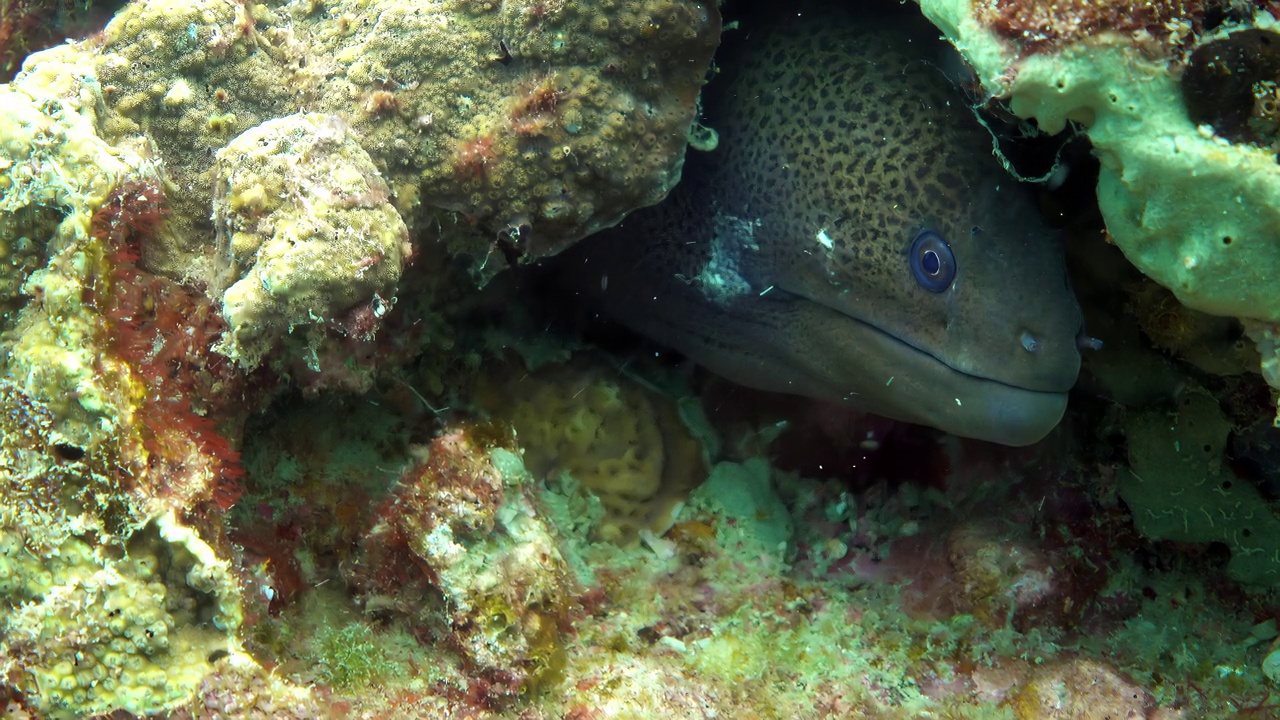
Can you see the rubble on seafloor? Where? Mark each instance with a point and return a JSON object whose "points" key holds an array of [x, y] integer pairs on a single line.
{"points": [[267, 451]]}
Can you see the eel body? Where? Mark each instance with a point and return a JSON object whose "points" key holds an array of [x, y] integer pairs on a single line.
{"points": [[852, 239]]}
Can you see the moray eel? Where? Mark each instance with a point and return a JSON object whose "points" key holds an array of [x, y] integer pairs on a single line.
{"points": [[851, 239]]}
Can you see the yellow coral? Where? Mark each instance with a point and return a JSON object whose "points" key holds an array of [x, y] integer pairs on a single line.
{"points": [[624, 443], [94, 634]]}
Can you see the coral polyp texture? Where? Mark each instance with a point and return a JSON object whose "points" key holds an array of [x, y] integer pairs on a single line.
{"points": [[102, 611], [207, 188], [214, 214], [624, 443], [537, 121], [1178, 114]]}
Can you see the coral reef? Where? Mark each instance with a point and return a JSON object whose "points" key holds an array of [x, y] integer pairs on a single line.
{"points": [[505, 120], [1000, 577], [30, 25], [184, 192], [1081, 690], [215, 214], [102, 612], [461, 546]]}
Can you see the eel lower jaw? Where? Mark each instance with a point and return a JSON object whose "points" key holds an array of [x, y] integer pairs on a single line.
{"points": [[894, 378], [986, 410]]}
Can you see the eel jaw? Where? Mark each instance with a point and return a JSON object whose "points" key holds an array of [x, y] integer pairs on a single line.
{"points": [[835, 356]]}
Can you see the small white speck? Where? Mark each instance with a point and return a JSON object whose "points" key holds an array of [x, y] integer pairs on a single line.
{"points": [[890, 380], [824, 239], [957, 402]]}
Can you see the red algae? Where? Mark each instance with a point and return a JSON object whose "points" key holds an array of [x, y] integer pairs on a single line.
{"points": [[1040, 25], [164, 331]]}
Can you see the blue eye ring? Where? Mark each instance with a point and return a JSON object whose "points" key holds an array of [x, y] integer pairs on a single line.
{"points": [[932, 262]]}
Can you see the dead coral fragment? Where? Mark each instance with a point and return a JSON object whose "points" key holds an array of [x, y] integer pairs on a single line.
{"points": [[462, 550]]}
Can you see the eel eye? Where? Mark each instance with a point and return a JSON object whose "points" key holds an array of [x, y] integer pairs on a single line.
{"points": [[932, 262]]}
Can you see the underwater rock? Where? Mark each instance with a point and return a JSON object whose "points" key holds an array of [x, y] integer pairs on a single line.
{"points": [[1080, 689], [537, 121], [1230, 85], [1001, 577], [305, 229], [1254, 454]]}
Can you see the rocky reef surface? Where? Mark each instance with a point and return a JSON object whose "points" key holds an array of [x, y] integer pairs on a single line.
{"points": [[279, 439]]}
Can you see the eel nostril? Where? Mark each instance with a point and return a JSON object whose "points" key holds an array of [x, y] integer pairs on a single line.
{"points": [[1029, 342]]}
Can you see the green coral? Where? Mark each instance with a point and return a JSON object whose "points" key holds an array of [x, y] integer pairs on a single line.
{"points": [[102, 608], [96, 635], [55, 171], [349, 657]]}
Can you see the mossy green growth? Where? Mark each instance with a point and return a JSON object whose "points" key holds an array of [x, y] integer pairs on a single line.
{"points": [[350, 656]]}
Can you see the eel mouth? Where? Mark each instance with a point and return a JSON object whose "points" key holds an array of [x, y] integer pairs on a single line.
{"points": [[1068, 381], [912, 347], [893, 377]]}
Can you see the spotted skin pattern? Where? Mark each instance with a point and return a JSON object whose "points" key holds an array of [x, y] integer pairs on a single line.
{"points": [[782, 259]]}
